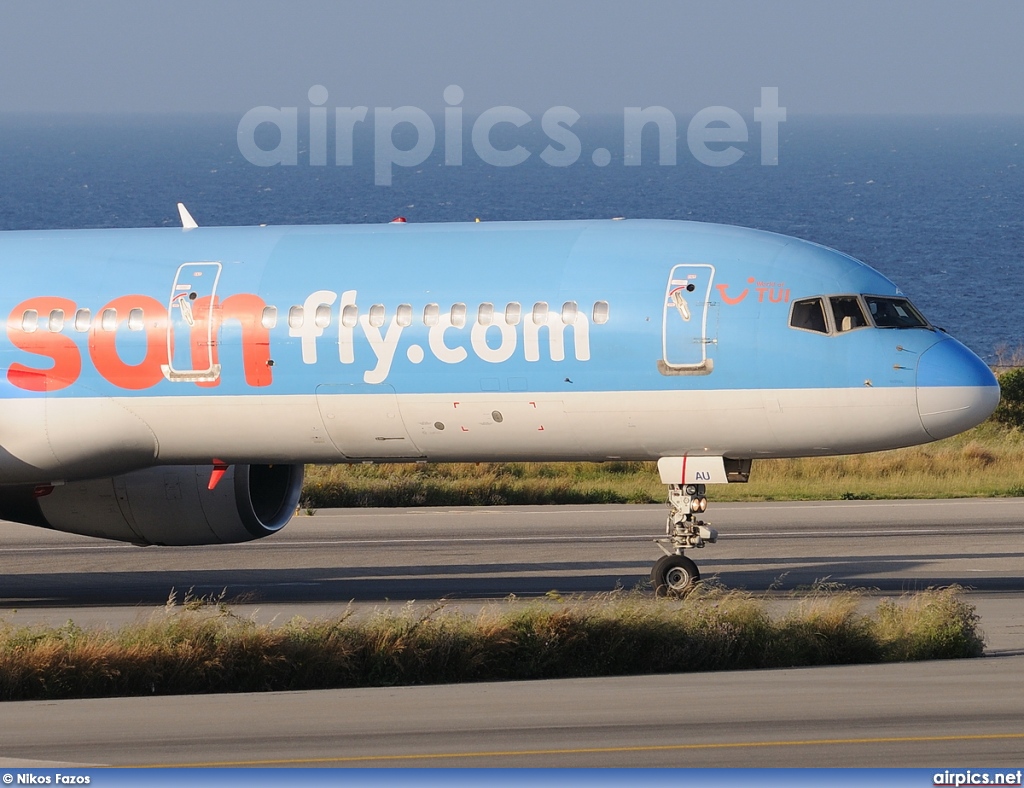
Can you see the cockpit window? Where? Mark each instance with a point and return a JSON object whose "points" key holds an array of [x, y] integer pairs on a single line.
{"points": [[894, 313], [847, 313], [809, 315]]}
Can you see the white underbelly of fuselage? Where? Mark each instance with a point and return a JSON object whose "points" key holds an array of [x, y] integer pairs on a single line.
{"points": [[53, 439]]}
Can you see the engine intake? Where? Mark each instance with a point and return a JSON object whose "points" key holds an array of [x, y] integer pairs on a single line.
{"points": [[168, 505]]}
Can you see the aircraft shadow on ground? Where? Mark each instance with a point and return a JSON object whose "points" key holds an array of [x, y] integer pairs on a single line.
{"points": [[496, 581]]}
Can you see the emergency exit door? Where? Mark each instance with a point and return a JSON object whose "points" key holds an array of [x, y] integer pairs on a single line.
{"points": [[685, 332]]}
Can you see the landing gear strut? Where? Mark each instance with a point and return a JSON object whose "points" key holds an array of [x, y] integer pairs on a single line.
{"points": [[674, 574]]}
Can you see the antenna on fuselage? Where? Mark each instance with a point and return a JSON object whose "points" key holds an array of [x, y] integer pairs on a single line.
{"points": [[187, 222]]}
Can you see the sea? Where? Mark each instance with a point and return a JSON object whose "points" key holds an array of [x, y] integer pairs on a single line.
{"points": [[934, 203]]}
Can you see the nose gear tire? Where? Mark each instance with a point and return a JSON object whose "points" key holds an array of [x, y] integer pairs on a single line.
{"points": [[674, 575]]}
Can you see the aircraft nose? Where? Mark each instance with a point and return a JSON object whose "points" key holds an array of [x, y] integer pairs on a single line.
{"points": [[955, 389]]}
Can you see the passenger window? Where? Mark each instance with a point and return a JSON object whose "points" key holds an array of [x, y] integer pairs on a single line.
{"points": [[513, 313], [57, 320], [458, 315], [809, 315], [485, 314], [403, 315], [136, 321], [295, 317], [540, 313], [377, 315], [269, 318], [322, 316], [847, 313], [109, 319], [29, 321], [600, 312], [82, 319], [569, 312], [350, 315], [431, 313]]}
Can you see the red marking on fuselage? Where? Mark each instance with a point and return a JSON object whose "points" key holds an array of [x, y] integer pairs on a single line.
{"points": [[103, 344], [725, 296], [247, 310], [67, 361]]}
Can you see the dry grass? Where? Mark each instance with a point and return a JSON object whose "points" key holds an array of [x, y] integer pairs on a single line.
{"points": [[987, 461], [984, 462], [202, 647], [489, 484]]}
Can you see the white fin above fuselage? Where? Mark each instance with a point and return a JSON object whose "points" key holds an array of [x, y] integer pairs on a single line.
{"points": [[187, 222]]}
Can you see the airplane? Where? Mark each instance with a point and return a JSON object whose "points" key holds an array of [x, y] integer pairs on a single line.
{"points": [[166, 386]]}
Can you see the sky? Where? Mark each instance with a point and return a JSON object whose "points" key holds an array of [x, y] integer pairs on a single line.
{"points": [[825, 56]]}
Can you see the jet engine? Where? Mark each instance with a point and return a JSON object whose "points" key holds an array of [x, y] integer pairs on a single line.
{"points": [[169, 505]]}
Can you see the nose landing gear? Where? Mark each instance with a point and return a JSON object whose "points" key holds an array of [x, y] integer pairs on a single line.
{"points": [[674, 574]]}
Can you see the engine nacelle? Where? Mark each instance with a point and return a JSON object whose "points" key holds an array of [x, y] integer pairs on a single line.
{"points": [[168, 505]]}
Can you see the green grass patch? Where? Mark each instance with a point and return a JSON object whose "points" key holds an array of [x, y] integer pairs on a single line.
{"points": [[202, 647]]}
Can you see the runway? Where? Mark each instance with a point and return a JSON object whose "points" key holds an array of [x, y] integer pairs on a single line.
{"points": [[939, 714], [929, 714]]}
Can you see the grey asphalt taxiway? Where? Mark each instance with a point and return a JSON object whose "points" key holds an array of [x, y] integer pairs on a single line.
{"points": [[949, 714]]}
